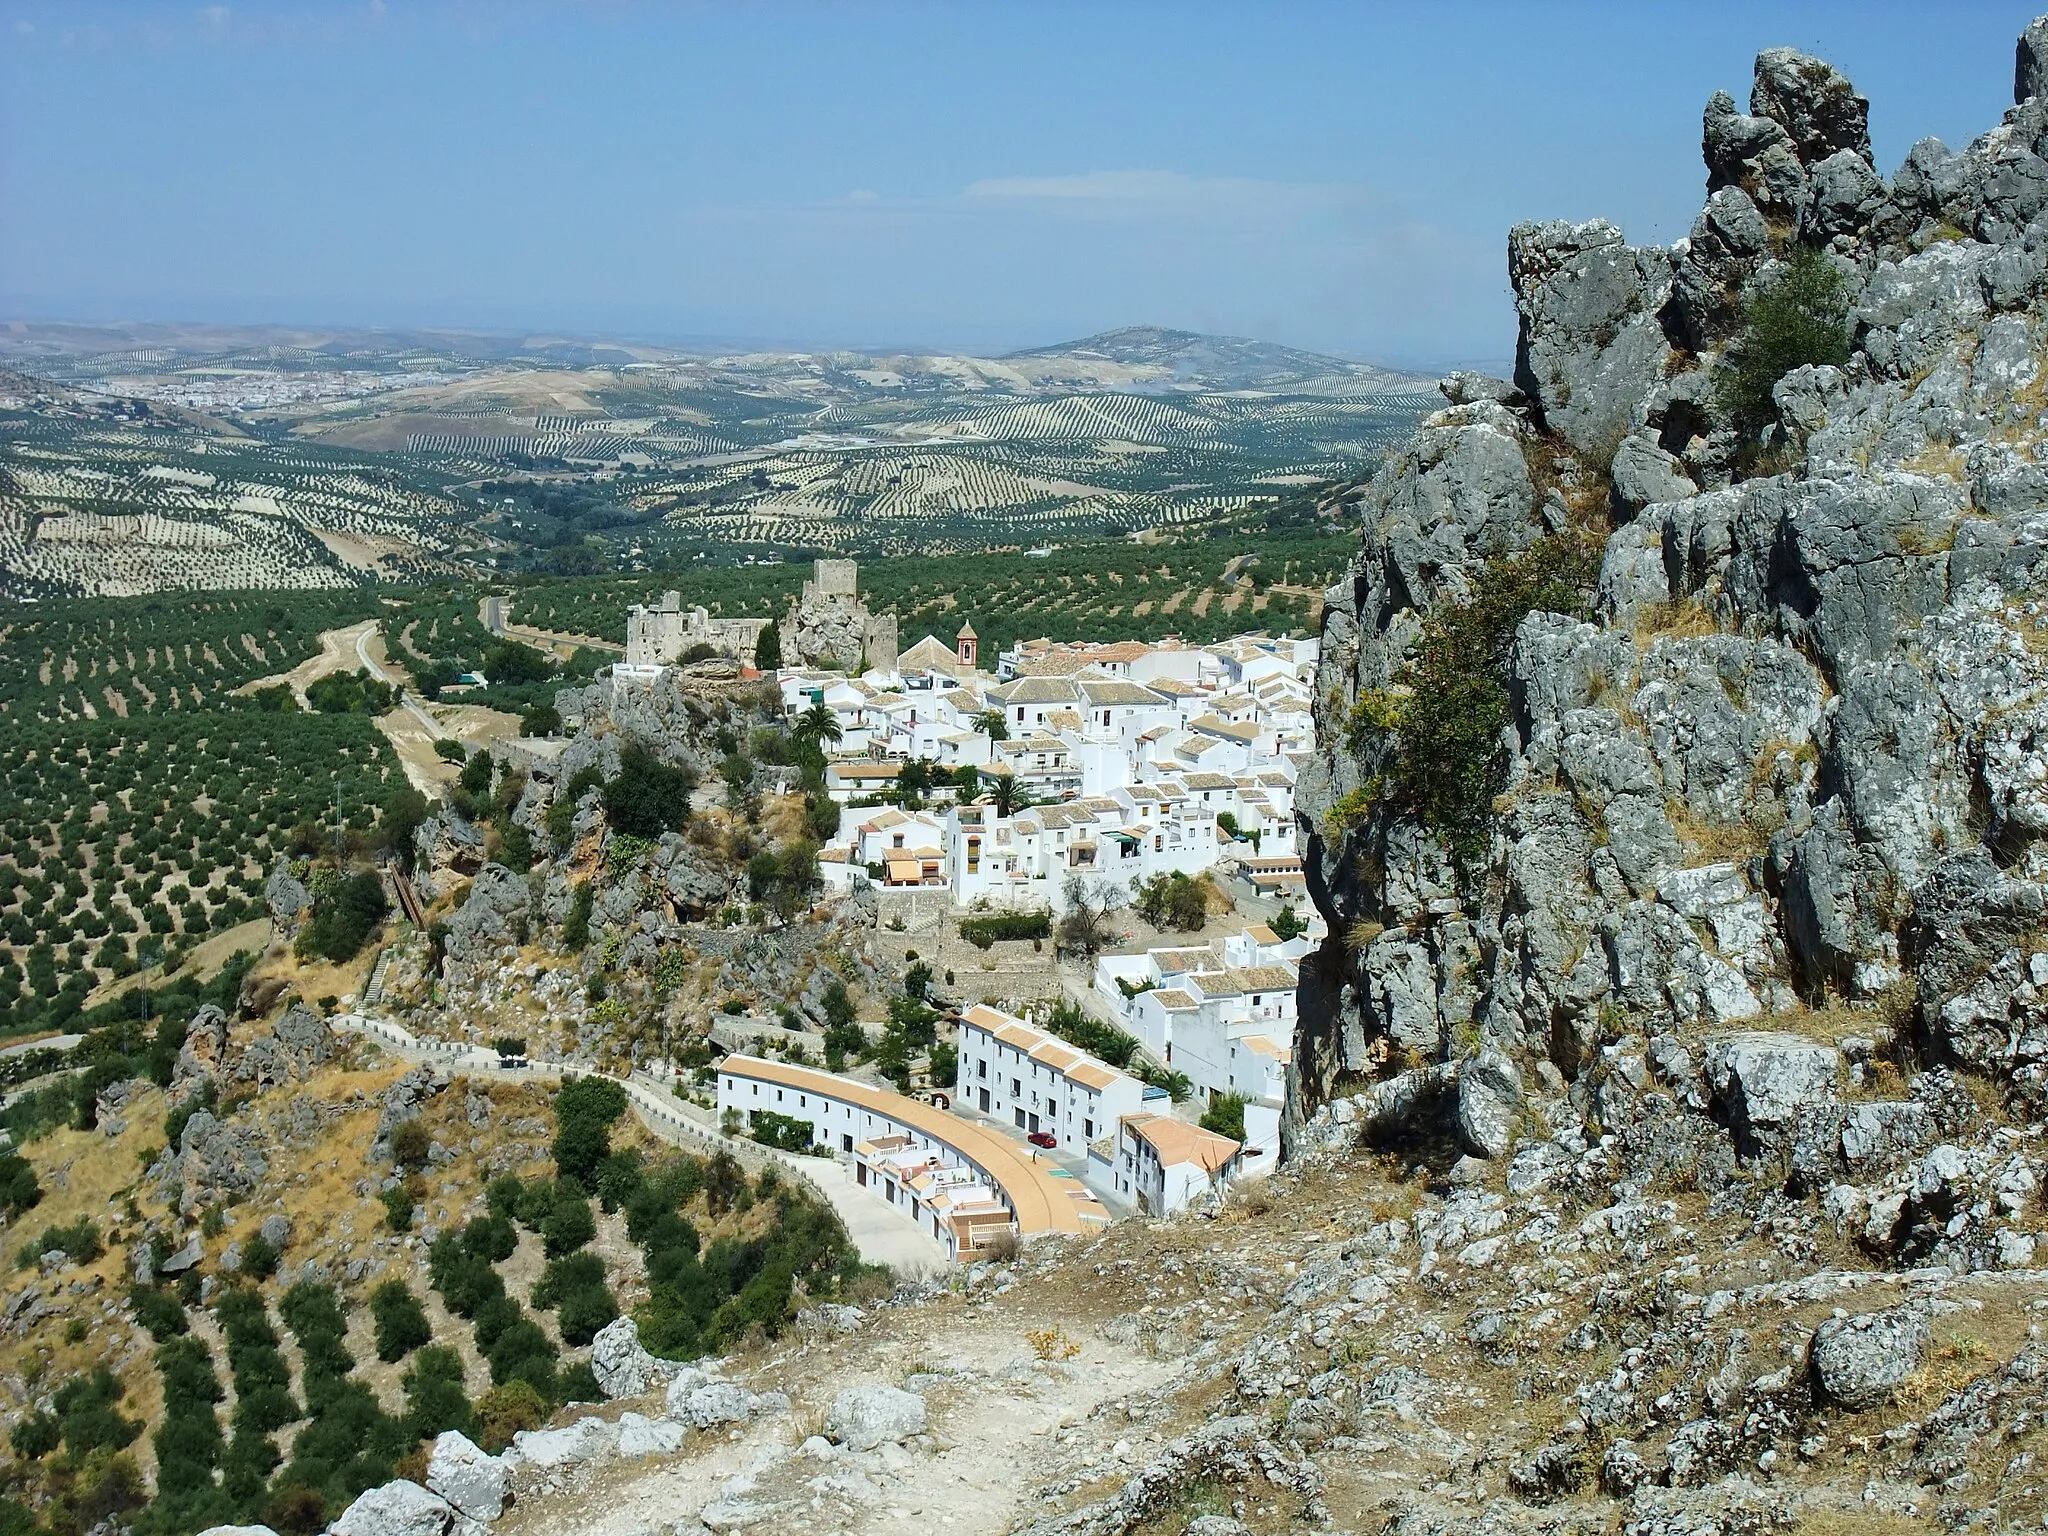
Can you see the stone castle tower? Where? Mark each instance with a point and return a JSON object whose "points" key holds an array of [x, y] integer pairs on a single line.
{"points": [[831, 627]]}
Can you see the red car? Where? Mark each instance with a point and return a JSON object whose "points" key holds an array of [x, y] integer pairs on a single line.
{"points": [[1043, 1139]]}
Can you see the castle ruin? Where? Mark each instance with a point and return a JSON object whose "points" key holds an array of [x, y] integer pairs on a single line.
{"points": [[831, 627], [659, 636]]}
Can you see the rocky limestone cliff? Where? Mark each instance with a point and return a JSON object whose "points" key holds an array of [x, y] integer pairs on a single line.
{"points": [[1793, 752]]}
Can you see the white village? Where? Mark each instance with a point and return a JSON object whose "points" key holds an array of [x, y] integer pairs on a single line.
{"points": [[1061, 774]]}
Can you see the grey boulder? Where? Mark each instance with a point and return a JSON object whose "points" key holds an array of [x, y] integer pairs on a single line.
{"points": [[1489, 1104], [721, 1402], [621, 1364], [1760, 1079], [1858, 1362], [400, 1508], [865, 1417], [467, 1476], [641, 1436]]}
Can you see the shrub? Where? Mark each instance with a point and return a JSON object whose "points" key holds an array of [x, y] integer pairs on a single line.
{"points": [[398, 1203], [411, 1142], [618, 1179], [19, 1190], [983, 931], [1172, 900], [584, 1113], [490, 1238], [1225, 1116], [1074, 1024], [1801, 316], [648, 796], [258, 1260], [88, 1413], [36, 1436], [505, 1410], [78, 1241], [158, 1312], [434, 1399], [783, 1132], [569, 1224], [402, 1325], [343, 919], [1437, 733]]}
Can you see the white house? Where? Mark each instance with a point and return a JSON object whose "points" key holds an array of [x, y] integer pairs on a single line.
{"points": [[1039, 1084], [958, 1181], [1162, 1163]]}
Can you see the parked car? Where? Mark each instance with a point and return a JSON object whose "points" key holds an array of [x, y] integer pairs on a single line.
{"points": [[1043, 1139]]}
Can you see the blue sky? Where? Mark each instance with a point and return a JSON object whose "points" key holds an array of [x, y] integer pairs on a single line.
{"points": [[968, 175]]}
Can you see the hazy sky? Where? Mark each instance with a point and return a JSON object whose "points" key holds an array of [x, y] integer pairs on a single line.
{"points": [[983, 175]]}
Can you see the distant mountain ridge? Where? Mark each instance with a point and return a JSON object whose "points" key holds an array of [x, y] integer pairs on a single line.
{"points": [[1195, 360]]}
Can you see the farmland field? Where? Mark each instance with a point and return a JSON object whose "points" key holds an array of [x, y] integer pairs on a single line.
{"points": [[183, 461]]}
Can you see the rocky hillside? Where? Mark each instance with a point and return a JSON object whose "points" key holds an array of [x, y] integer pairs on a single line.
{"points": [[1678, 805]]}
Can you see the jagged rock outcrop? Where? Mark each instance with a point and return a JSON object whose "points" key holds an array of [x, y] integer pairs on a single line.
{"points": [[497, 912], [285, 896], [1793, 749], [299, 1045]]}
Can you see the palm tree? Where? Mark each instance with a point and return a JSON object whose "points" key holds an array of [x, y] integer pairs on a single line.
{"points": [[818, 725], [1009, 795], [990, 723]]}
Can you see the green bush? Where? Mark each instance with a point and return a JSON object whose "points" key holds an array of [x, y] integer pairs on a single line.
{"points": [[1172, 900], [343, 919], [158, 1312], [1225, 1116], [401, 1322], [78, 1241], [1437, 732], [348, 693], [434, 1399], [1801, 316], [585, 1111], [648, 796], [1075, 1025], [88, 1414], [398, 1203], [984, 930], [19, 1190], [490, 1238], [784, 1132], [569, 1225]]}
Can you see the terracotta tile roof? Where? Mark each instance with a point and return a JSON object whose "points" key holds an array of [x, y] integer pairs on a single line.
{"points": [[1177, 1142], [1041, 1202]]}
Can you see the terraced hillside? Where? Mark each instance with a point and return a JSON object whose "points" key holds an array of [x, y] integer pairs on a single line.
{"points": [[297, 459], [110, 496]]}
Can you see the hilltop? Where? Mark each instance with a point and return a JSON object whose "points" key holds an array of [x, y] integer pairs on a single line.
{"points": [[1186, 360]]}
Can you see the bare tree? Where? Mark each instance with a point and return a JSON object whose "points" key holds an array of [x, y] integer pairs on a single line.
{"points": [[1085, 929]]}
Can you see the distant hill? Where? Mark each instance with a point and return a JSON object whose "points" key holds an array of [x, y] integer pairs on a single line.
{"points": [[1190, 360]]}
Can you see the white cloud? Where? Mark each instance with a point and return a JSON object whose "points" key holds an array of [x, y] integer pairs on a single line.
{"points": [[24, 29], [214, 15]]}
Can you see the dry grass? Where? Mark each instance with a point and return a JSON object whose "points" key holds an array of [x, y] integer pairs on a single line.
{"points": [[1680, 618], [1713, 842]]}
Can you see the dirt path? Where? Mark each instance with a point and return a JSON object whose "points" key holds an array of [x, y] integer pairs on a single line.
{"points": [[1000, 1420], [339, 652], [413, 728]]}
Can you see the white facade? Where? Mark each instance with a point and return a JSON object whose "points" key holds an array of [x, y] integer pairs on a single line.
{"points": [[1039, 1084], [1163, 1164]]}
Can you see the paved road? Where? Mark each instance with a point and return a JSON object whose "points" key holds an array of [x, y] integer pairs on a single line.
{"points": [[53, 1043], [882, 1234], [376, 669]]}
